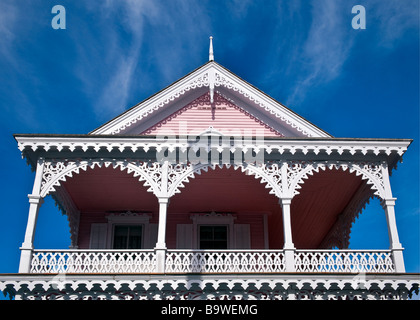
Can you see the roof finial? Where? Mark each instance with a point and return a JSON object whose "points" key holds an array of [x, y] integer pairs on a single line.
{"points": [[211, 55]]}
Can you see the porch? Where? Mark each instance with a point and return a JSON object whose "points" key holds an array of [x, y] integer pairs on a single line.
{"points": [[280, 216], [211, 261]]}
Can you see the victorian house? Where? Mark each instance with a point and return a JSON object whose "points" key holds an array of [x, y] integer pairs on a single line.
{"points": [[210, 189]]}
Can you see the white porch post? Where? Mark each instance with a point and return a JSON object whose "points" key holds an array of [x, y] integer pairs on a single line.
{"points": [[388, 204], [289, 248], [395, 245], [163, 206], [160, 248], [35, 201]]}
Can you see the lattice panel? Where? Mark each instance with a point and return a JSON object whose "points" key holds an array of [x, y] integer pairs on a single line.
{"points": [[204, 261], [210, 261], [93, 261], [344, 261]]}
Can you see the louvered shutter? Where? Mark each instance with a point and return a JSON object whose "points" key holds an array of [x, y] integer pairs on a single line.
{"points": [[242, 236], [98, 233], [184, 236], [153, 234]]}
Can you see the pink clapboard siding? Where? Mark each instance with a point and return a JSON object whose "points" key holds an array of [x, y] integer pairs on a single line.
{"points": [[256, 222], [225, 117], [86, 220]]}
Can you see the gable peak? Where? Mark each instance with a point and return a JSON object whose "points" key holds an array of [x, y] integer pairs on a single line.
{"points": [[213, 79]]}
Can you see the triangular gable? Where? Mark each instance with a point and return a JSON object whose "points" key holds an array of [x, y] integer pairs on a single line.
{"points": [[221, 116], [218, 83]]}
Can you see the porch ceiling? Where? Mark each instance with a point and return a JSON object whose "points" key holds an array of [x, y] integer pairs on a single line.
{"points": [[224, 190], [108, 189], [313, 212], [322, 198]]}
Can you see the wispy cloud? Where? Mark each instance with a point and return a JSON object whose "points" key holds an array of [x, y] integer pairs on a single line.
{"points": [[330, 41], [8, 20], [239, 8], [392, 21], [108, 72], [124, 25], [18, 103], [324, 51]]}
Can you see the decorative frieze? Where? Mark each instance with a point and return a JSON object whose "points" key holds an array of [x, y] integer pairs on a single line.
{"points": [[210, 287], [198, 82], [286, 182], [282, 146], [57, 171], [298, 171], [222, 81]]}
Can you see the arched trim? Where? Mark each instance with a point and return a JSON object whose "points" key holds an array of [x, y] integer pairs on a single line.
{"points": [[180, 174], [56, 172], [298, 172]]}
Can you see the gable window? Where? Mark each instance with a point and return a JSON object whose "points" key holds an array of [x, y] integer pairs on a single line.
{"points": [[127, 237], [213, 237]]}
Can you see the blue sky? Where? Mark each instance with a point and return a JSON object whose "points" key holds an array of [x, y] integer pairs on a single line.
{"points": [[113, 54]]}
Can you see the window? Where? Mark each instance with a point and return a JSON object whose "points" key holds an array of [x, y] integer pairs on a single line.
{"points": [[127, 237], [213, 237], [124, 230]]}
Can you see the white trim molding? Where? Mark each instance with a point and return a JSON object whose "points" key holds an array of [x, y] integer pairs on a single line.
{"points": [[211, 75], [145, 143], [274, 286], [283, 178], [266, 150]]}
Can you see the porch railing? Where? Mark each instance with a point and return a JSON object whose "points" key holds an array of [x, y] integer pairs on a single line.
{"points": [[93, 261], [211, 261], [378, 261]]}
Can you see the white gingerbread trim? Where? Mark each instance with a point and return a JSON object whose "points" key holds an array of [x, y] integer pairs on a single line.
{"points": [[224, 287], [189, 171], [329, 146], [285, 183], [298, 171], [209, 75], [57, 171], [68, 207], [339, 235]]}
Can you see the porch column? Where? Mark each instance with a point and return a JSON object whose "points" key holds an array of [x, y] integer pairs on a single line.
{"points": [[35, 201], [388, 204], [289, 247], [395, 245], [160, 248]]}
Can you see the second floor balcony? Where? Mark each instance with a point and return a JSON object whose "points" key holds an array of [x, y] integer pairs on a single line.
{"points": [[212, 261], [136, 216]]}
